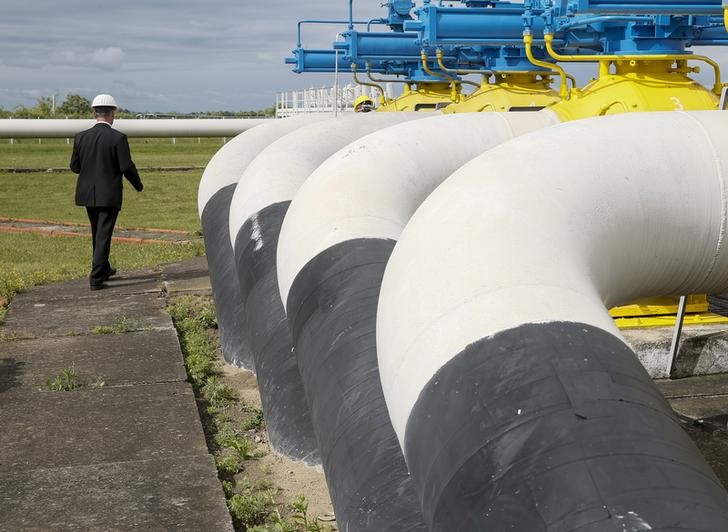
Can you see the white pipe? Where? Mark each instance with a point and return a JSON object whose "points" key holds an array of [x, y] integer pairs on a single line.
{"points": [[198, 127], [257, 209], [229, 162], [213, 199], [544, 233], [333, 245], [371, 187], [278, 171]]}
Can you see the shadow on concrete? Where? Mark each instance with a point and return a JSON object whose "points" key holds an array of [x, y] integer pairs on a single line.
{"points": [[10, 370]]}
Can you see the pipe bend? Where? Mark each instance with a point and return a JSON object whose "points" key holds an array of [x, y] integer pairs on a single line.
{"points": [[232, 159], [640, 219], [278, 171], [371, 187]]}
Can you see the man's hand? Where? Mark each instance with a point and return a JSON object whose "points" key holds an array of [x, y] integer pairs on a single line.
{"points": [[140, 187]]}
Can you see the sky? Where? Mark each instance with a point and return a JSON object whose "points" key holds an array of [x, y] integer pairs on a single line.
{"points": [[171, 55], [162, 55]]}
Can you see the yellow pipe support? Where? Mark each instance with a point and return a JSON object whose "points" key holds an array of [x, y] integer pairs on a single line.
{"points": [[563, 88], [382, 98], [549, 38], [452, 80]]}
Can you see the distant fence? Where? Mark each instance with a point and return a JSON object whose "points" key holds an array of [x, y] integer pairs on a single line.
{"points": [[322, 100]]}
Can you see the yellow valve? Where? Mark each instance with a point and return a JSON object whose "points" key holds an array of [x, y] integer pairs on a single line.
{"points": [[429, 96], [510, 91], [633, 59]]}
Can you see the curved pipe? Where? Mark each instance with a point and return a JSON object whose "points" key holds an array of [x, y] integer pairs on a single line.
{"points": [[334, 243], [213, 202], [257, 209], [187, 127], [516, 401]]}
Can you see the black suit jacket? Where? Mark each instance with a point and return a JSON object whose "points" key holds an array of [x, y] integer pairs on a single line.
{"points": [[100, 157]]}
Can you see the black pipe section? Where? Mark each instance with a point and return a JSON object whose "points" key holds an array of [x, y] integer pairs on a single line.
{"points": [[332, 308], [225, 292], [555, 427], [285, 408]]}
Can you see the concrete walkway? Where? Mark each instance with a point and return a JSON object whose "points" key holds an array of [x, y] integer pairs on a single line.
{"points": [[126, 449], [131, 454]]}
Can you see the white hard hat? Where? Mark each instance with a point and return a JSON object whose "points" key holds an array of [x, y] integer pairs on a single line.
{"points": [[104, 100]]}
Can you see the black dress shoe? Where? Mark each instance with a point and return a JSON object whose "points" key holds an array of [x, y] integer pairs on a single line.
{"points": [[112, 272], [98, 286]]}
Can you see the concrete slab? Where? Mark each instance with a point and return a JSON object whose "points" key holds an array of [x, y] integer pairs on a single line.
{"points": [[196, 267], [196, 286], [28, 317], [703, 349], [168, 494], [711, 408], [116, 359], [694, 386], [93, 426], [126, 282]]}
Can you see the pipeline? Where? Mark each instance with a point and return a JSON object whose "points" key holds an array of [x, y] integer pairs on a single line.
{"points": [[514, 397], [198, 127], [257, 208], [213, 201], [333, 246]]}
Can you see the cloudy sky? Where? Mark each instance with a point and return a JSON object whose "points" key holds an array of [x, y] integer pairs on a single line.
{"points": [[161, 55], [169, 55]]}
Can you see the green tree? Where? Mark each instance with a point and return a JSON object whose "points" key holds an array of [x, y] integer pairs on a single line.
{"points": [[75, 106]]}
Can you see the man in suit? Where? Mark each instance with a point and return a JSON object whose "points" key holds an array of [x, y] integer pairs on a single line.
{"points": [[100, 157]]}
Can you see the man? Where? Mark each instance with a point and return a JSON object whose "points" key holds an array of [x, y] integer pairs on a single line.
{"points": [[100, 157], [363, 104]]}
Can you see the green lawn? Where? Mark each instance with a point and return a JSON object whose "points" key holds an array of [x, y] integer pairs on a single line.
{"points": [[24, 258], [169, 201], [56, 153]]}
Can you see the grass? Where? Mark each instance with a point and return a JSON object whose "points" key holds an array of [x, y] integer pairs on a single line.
{"points": [[228, 423], [122, 324], [169, 200], [28, 259], [55, 153], [66, 381]]}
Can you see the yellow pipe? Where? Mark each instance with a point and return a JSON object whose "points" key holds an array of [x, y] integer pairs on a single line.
{"points": [[453, 81], [725, 18], [549, 38], [563, 88], [382, 98]]}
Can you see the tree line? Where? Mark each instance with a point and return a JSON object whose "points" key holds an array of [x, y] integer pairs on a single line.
{"points": [[76, 106]]}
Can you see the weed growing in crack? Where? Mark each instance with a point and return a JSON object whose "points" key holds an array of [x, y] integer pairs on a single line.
{"points": [[66, 381]]}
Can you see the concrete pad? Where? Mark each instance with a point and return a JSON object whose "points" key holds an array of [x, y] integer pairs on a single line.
{"points": [[126, 282], [117, 359], [169, 494], [93, 426], [196, 267], [702, 408], [196, 286], [694, 386], [703, 349], [30, 318]]}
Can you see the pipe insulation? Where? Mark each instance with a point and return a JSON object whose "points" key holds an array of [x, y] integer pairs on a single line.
{"points": [[213, 201], [516, 401], [158, 127], [257, 208], [335, 240]]}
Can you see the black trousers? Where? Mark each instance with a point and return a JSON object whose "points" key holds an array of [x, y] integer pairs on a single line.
{"points": [[103, 220]]}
